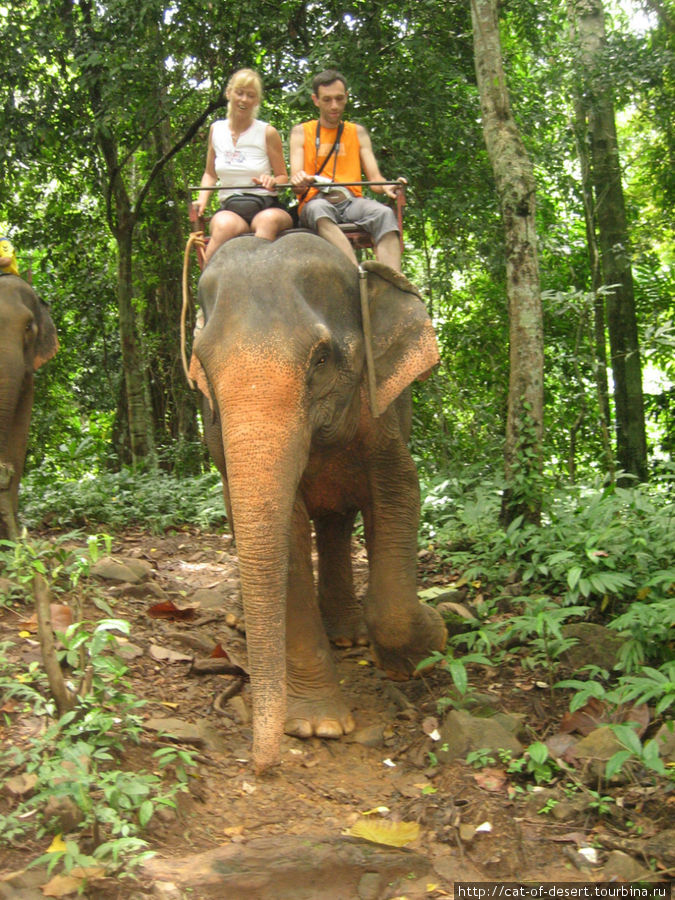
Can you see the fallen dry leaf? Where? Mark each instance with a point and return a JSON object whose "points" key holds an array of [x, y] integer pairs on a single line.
{"points": [[493, 780], [168, 655], [63, 885], [595, 713], [58, 845], [586, 719], [21, 784], [167, 609], [571, 837], [61, 616], [393, 834]]}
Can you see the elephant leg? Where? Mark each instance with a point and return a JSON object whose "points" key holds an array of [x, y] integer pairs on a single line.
{"points": [[8, 526], [402, 630], [314, 705], [341, 612]]}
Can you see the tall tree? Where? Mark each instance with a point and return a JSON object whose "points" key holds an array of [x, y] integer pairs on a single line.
{"points": [[516, 189], [596, 101]]}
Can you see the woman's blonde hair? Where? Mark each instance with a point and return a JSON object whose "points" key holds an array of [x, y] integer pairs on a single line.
{"points": [[244, 78]]}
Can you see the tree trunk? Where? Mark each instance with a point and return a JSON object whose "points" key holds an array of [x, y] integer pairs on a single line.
{"points": [[516, 189], [174, 404], [122, 221], [587, 20], [599, 347], [141, 438]]}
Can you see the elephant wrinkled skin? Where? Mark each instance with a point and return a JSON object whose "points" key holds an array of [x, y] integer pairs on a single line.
{"points": [[280, 361], [27, 340]]}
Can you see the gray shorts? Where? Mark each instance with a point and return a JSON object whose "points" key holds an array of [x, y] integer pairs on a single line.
{"points": [[376, 218]]}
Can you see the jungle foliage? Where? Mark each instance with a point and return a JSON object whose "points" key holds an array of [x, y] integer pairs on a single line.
{"points": [[100, 142], [104, 114]]}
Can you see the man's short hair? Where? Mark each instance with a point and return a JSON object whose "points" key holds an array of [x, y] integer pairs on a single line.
{"points": [[328, 76]]}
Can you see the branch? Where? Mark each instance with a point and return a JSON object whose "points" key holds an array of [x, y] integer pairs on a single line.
{"points": [[187, 136], [65, 699]]}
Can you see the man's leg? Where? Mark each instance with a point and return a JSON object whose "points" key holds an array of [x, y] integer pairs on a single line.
{"points": [[327, 229], [379, 221], [388, 251], [322, 217]]}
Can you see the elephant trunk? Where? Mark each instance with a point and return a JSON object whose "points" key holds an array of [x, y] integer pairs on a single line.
{"points": [[266, 452]]}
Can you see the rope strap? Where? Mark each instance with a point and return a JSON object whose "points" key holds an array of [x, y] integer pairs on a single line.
{"points": [[197, 237]]}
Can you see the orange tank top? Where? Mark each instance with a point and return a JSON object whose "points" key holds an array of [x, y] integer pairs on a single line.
{"points": [[348, 164]]}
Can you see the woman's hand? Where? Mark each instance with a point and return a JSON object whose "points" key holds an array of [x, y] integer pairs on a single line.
{"points": [[198, 209], [269, 182]]}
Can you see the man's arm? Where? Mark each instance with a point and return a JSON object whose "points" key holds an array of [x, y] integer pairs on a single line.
{"points": [[299, 178], [370, 167]]}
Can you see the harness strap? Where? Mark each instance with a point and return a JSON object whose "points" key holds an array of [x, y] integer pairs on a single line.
{"points": [[368, 342], [335, 149]]}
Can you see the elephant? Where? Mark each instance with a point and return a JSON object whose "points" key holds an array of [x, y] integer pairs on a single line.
{"points": [[27, 340], [281, 363]]}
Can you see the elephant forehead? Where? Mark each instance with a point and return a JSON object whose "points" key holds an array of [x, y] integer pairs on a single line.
{"points": [[266, 370]]}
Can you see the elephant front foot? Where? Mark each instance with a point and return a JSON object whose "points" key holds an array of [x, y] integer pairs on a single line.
{"points": [[324, 716], [398, 654]]}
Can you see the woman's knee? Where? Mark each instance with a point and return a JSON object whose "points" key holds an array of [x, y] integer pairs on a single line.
{"points": [[225, 225], [270, 222]]}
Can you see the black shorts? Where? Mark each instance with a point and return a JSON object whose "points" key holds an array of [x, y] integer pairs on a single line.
{"points": [[249, 205]]}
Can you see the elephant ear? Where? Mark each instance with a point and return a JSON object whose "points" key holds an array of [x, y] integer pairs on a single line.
{"points": [[46, 342], [208, 288], [403, 340], [198, 376]]}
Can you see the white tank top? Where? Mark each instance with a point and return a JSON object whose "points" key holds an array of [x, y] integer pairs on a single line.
{"points": [[238, 164]]}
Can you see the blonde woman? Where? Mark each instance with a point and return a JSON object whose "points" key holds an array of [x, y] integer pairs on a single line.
{"points": [[243, 151]]}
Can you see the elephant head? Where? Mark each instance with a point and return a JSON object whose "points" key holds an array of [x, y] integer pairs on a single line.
{"points": [[27, 340], [281, 359]]}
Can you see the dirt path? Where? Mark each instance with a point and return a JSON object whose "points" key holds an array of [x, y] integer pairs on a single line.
{"points": [[236, 835]]}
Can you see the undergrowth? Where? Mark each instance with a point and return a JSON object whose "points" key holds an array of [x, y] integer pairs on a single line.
{"points": [[603, 554], [74, 776], [156, 501]]}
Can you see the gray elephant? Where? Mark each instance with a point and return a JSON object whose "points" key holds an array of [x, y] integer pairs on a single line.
{"points": [[27, 340], [281, 361]]}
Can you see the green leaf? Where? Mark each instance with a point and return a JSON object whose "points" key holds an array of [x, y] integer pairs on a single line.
{"points": [[459, 676], [615, 763], [573, 576], [627, 736], [145, 812], [538, 752]]}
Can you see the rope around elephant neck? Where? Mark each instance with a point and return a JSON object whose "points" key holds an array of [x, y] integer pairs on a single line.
{"points": [[197, 237]]}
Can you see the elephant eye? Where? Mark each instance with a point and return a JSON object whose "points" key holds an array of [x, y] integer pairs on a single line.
{"points": [[321, 355]]}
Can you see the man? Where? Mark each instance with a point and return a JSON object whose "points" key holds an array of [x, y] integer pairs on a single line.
{"points": [[330, 150], [8, 264]]}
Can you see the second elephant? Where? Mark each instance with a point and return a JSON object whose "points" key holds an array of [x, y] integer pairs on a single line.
{"points": [[281, 361], [27, 340]]}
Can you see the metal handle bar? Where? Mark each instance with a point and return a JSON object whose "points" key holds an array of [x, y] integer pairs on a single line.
{"points": [[243, 187]]}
